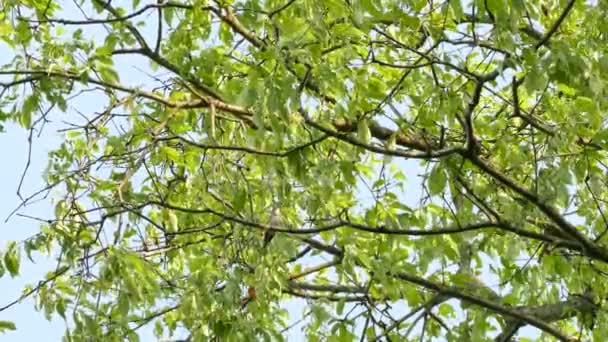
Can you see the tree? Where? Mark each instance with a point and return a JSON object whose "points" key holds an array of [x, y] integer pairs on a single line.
{"points": [[327, 116]]}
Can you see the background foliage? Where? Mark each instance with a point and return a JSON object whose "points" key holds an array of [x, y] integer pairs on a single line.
{"points": [[397, 170]]}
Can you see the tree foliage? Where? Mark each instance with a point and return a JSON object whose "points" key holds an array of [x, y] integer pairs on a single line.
{"points": [[433, 169]]}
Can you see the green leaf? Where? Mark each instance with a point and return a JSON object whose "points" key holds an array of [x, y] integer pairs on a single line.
{"points": [[535, 80], [340, 307], [133, 336], [365, 134], [169, 15], [370, 6], [123, 304], [446, 310], [456, 8], [107, 73], [437, 180], [29, 106], [7, 325], [11, 259], [60, 307], [566, 89], [584, 104], [173, 222]]}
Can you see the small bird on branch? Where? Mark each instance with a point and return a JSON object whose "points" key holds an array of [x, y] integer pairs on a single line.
{"points": [[274, 222]]}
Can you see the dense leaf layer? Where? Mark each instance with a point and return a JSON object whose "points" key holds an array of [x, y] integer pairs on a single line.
{"points": [[432, 169]]}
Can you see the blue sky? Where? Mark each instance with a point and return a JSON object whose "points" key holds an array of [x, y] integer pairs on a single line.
{"points": [[31, 325]]}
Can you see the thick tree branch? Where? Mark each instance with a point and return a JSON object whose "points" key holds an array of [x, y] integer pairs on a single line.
{"points": [[492, 306], [326, 287], [548, 313], [590, 248]]}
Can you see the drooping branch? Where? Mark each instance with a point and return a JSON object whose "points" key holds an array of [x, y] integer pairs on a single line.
{"points": [[556, 25]]}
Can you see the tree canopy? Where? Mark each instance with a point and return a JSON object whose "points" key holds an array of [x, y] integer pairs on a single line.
{"points": [[379, 170]]}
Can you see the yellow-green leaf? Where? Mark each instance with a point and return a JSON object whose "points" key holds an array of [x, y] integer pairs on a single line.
{"points": [[365, 134]]}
